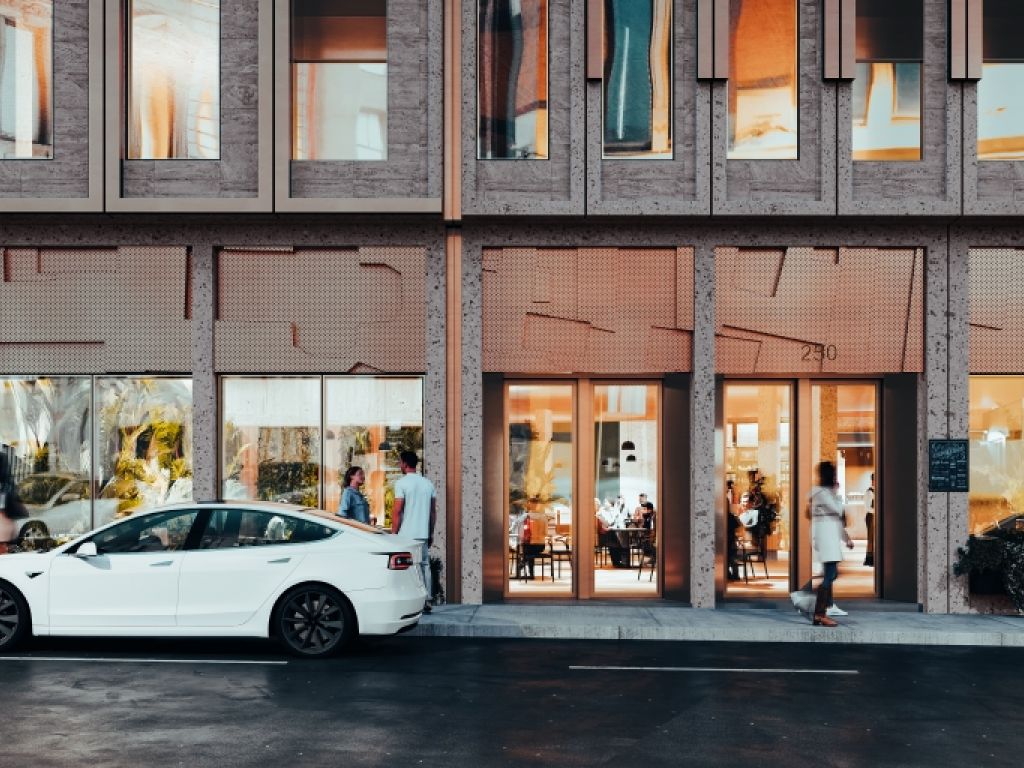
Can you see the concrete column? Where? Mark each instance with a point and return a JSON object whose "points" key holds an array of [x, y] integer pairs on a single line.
{"points": [[204, 379], [957, 407], [472, 543], [934, 539], [434, 405], [704, 492]]}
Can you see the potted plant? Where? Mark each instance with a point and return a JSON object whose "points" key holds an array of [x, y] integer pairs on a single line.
{"points": [[994, 564]]}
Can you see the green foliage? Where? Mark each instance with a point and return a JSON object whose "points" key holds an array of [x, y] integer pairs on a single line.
{"points": [[275, 479], [1001, 552]]}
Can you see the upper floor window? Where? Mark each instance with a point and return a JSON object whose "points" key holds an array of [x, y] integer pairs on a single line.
{"points": [[512, 79], [1001, 88], [638, 79], [339, 54], [763, 61], [173, 79], [26, 79], [887, 88]]}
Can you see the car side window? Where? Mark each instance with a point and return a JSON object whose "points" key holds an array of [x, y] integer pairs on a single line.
{"points": [[229, 528], [161, 532]]}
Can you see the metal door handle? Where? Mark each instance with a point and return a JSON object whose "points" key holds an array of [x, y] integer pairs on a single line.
{"points": [[279, 561], [161, 564]]}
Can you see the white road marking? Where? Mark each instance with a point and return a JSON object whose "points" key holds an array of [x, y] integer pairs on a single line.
{"points": [[99, 660], [749, 670]]}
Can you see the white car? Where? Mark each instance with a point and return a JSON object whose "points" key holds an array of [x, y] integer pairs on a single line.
{"points": [[218, 569]]}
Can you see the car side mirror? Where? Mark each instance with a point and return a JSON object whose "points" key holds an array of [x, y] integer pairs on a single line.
{"points": [[87, 549]]}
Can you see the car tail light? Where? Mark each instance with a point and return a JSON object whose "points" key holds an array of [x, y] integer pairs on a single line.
{"points": [[400, 561]]}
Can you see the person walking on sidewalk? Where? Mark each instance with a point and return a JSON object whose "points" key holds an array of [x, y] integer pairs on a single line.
{"points": [[828, 534], [415, 512]]}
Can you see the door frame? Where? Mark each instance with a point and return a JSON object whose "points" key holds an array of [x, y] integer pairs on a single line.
{"points": [[583, 583]]}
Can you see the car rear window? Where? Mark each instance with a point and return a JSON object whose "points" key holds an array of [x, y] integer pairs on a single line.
{"points": [[344, 520]]}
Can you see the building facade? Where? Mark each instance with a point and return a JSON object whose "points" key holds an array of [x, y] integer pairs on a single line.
{"points": [[569, 251]]}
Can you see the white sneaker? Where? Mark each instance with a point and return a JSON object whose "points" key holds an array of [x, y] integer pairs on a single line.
{"points": [[835, 610]]}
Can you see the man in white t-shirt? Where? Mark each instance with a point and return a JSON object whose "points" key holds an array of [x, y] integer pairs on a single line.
{"points": [[415, 512]]}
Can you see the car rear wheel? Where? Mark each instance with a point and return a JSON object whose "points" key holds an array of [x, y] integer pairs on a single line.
{"points": [[14, 618], [314, 620]]}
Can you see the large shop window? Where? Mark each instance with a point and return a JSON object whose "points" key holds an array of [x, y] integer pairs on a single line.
{"points": [[512, 80], [763, 61], [638, 79], [887, 89], [996, 424], [1001, 88], [339, 80], [291, 439], [173, 79], [76, 467], [26, 79]]}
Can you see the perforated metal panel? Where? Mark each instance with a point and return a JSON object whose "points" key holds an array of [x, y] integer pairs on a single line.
{"points": [[819, 310], [94, 310], [322, 310], [996, 310], [594, 310]]}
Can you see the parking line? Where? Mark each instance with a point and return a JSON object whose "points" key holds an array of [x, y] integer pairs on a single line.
{"points": [[101, 660], [742, 670]]}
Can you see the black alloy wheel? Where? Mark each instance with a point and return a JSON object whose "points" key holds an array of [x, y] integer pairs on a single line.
{"points": [[13, 618], [314, 621]]}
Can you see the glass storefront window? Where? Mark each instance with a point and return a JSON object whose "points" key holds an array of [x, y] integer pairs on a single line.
{"points": [[887, 88], [173, 89], [512, 80], [26, 80], [369, 422], [271, 436], [638, 79], [1001, 88], [143, 445], [763, 97], [75, 469], [339, 55], [996, 432], [626, 488], [45, 426]]}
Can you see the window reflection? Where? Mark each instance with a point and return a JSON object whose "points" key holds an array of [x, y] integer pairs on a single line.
{"points": [[887, 88], [339, 80], [174, 79], [369, 422], [26, 79], [1001, 88], [512, 79], [638, 79], [996, 431], [143, 445], [271, 439], [763, 122]]}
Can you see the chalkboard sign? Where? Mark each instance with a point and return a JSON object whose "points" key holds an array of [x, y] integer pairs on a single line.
{"points": [[947, 466]]}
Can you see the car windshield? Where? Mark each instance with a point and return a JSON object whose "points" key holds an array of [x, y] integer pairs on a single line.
{"points": [[39, 490]]}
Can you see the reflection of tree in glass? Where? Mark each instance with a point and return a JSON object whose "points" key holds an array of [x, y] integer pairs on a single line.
{"points": [[533, 482]]}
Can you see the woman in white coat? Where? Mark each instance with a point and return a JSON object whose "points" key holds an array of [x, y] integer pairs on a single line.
{"points": [[828, 534]]}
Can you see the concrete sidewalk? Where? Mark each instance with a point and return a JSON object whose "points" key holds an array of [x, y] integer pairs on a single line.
{"points": [[740, 624]]}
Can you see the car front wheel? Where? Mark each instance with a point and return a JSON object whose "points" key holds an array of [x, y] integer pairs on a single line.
{"points": [[314, 620], [14, 619]]}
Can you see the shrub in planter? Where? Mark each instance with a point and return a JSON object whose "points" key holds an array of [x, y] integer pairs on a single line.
{"points": [[999, 555]]}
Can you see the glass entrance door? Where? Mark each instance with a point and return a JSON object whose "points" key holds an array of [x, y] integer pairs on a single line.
{"points": [[626, 466], [758, 447], [844, 430], [540, 478]]}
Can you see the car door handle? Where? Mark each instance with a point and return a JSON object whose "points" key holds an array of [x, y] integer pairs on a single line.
{"points": [[161, 564], [279, 561]]}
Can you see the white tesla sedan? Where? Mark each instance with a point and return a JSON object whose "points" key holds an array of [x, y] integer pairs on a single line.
{"points": [[236, 569]]}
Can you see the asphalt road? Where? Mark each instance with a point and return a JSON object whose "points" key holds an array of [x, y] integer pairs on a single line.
{"points": [[412, 701]]}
